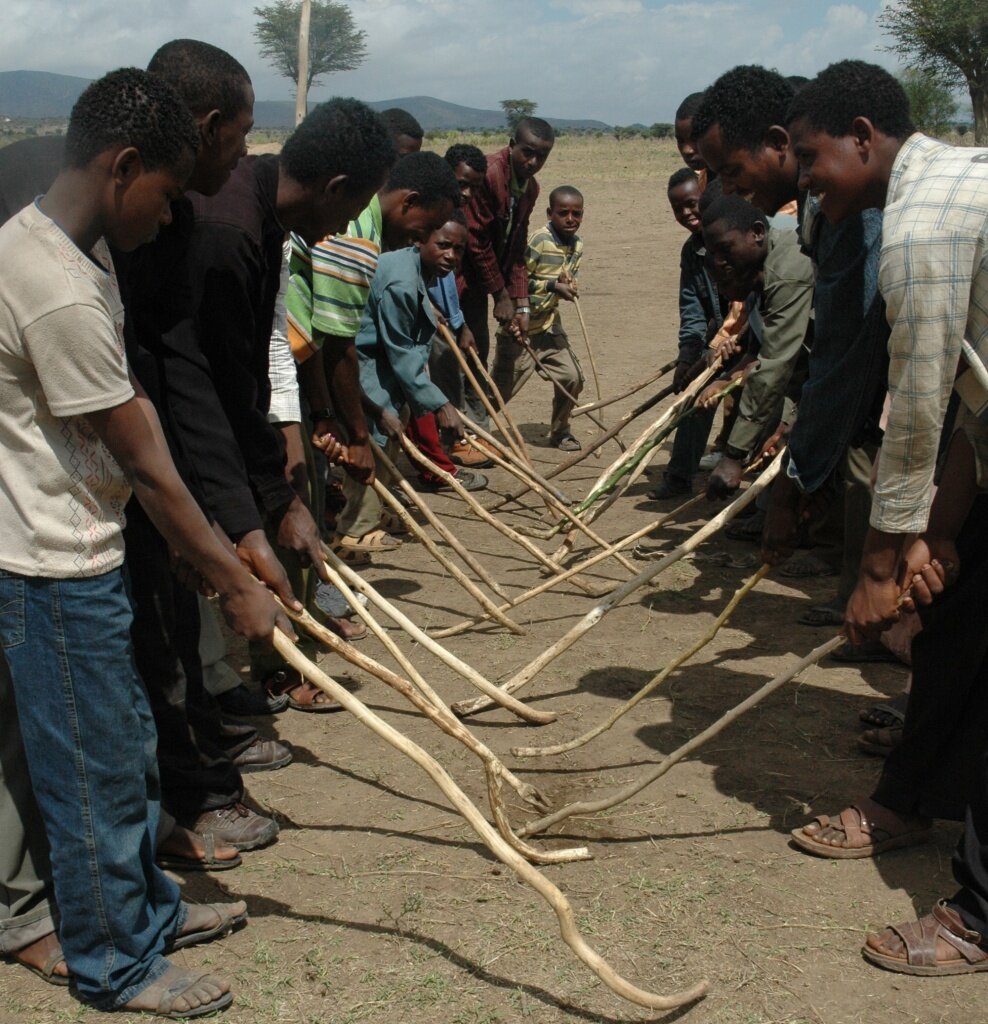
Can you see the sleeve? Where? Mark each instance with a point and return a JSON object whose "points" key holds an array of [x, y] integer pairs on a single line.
{"points": [[787, 303], [228, 271], [926, 281], [342, 270], [692, 317], [79, 360], [480, 216], [518, 272], [398, 313], [539, 275]]}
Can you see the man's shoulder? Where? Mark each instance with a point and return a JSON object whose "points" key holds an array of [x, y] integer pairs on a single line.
{"points": [[785, 259], [943, 186], [398, 266], [244, 203]]}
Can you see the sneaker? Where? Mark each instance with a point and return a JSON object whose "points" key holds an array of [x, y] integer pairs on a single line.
{"points": [[566, 442], [263, 756], [331, 601], [464, 454], [237, 825], [710, 460], [246, 703]]}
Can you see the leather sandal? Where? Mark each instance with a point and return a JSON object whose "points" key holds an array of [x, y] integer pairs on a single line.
{"points": [[49, 947], [162, 996], [920, 941], [864, 834]]}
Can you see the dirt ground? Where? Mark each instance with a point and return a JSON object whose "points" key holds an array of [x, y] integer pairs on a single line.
{"points": [[378, 903]]}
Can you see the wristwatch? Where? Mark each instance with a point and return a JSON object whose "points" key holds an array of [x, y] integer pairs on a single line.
{"points": [[523, 309], [320, 414]]}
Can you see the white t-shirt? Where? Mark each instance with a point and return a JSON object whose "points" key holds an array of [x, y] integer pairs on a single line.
{"points": [[62, 356]]}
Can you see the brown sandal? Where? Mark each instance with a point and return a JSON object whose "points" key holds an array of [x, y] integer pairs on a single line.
{"points": [[864, 834], [920, 941], [880, 742], [49, 947], [302, 695]]}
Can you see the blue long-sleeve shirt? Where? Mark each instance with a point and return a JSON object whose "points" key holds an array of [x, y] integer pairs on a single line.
{"points": [[699, 302], [446, 299]]}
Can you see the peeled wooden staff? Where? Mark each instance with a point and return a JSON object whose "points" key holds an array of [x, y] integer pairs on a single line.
{"points": [[564, 643], [471, 675], [626, 792], [651, 685], [582, 410], [501, 404], [489, 835], [586, 338], [466, 624], [506, 531], [440, 715]]}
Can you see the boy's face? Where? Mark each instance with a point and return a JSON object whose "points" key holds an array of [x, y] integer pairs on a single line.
{"points": [[408, 221], [468, 179], [566, 215], [766, 177], [684, 199], [224, 142], [735, 257], [528, 154], [442, 252], [141, 200], [686, 146], [833, 169]]}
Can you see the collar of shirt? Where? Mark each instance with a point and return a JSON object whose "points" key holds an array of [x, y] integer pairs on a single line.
{"points": [[570, 245], [911, 156]]}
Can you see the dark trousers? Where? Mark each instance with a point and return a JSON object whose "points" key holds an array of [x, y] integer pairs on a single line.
{"points": [[474, 305], [689, 444], [195, 747]]}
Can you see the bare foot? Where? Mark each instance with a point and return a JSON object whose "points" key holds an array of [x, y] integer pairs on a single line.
{"points": [[179, 993]]}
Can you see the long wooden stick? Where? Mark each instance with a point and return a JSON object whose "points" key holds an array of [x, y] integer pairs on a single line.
{"points": [[466, 624], [626, 792], [506, 531], [440, 715], [501, 404], [565, 642], [651, 685], [582, 410], [471, 675], [586, 338], [549, 892]]}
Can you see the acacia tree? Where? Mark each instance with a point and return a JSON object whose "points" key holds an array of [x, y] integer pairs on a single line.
{"points": [[931, 101], [515, 110], [335, 43], [948, 38]]}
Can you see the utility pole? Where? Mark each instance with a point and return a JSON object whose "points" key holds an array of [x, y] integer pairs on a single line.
{"points": [[302, 94]]}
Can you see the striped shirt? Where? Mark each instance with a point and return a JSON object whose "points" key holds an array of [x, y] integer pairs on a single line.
{"points": [[934, 277], [330, 282], [546, 258]]}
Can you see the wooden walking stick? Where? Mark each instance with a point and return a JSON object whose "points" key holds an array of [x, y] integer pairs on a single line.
{"points": [[540, 556], [502, 405], [471, 675], [489, 835], [626, 792], [565, 642], [652, 684], [586, 338], [454, 570], [462, 627], [582, 410]]}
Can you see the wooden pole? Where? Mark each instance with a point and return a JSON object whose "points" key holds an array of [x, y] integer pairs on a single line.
{"points": [[302, 90], [586, 338], [502, 405], [582, 410], [489, 835]]}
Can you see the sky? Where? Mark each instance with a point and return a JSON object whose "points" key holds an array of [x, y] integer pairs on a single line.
{"points": [[619, 61]]}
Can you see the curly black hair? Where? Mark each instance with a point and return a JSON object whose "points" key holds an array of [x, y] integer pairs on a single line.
{"points": [[677, 178], [850, 89], [462, 153], [129, 107], [563, 190], [429, 175], [458, 217], [744, 102], [689, 106], [711, 194], [535, 126], [400, 122], [206, 77], [341, 136], [738, 213]]}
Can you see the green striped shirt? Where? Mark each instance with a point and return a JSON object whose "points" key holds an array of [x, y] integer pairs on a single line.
{"points": [[546, 258]]}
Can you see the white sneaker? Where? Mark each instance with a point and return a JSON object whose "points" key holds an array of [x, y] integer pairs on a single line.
{"points": [[710, 460]]}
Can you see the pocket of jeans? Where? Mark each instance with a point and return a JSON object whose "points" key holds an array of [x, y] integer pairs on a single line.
{"points": [[12, 629]]}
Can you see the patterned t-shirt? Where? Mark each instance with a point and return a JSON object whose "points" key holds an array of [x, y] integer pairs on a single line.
{"points": [[62, 494]]}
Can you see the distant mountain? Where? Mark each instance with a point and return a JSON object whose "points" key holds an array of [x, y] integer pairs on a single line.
{"points": [[43, 94]]}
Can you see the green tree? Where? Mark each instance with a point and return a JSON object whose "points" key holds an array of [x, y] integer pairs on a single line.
{"points": [[948, 38], [335, 43], [661, 130], [931, 101], [515, 110]]}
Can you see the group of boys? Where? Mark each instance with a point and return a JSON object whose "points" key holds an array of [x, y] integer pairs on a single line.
{"points": [[172, 373], [860, 334]]}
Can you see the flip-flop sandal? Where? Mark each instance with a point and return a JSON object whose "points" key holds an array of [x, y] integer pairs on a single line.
{"points": [[228, 920], [46, 971], [920, 941], [853, 822], [391, 522], [880, 742], [806, 566], [210, 862], [887, 714], [871, 651], [181, 982], [747, 529], [821, 615]]}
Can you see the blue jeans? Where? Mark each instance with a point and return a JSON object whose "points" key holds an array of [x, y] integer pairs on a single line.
{"points": [[90, 744]]}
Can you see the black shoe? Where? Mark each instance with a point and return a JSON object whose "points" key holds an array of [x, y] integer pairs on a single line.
{"points": [[669, 487]]}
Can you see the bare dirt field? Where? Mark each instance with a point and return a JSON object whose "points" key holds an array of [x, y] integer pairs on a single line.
{"points": [[379, 904]]}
